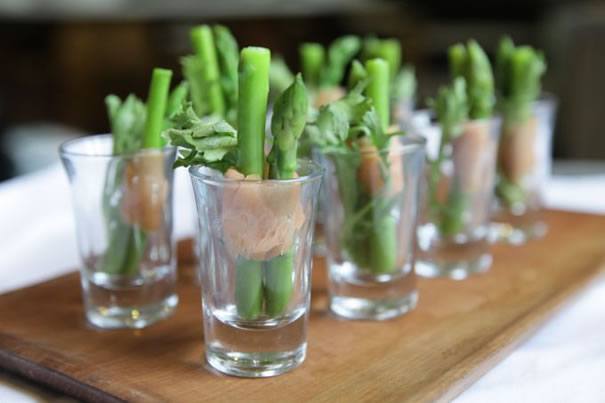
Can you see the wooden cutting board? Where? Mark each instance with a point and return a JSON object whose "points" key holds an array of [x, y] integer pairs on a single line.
{"points": [[458, 331]]}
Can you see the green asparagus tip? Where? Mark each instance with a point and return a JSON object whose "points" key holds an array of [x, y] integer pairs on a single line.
{"points": [[287, 125], [356, 74]]}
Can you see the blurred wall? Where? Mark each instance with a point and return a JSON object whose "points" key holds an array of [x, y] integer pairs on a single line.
{"points": [[58, 69]]}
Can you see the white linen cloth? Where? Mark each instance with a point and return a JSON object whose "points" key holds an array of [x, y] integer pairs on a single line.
{"points": [[563, 362]]}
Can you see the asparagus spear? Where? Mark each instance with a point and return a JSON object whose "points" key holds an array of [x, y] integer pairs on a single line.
{"points": [[340, 53], [280, 77], [228, 55], [203, 42], [251, 117], [378, 89], [252, 109], [404, 84], [175, 101], [402, 79], [472, 64], [154, 122], [127, 120], [312, 57], [387, 49], [383, 237], [156, 108], [287, 125], [451, 109], [357, 74]]}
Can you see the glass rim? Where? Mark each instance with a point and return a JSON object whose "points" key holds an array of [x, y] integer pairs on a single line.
{"points": [[408, 143], [197, 172], [433, 118], [63, 148]]}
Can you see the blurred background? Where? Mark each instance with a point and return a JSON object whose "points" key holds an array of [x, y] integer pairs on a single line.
{"points": [[59, 58]]}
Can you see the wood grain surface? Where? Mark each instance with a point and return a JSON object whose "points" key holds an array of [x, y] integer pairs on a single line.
{"points": [[458, 331]]}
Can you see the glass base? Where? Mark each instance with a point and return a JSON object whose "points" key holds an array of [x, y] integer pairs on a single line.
{"points": [[131, 317], [456, 270], [372, 309], [255, 365], [514, 235], [357, 294]]}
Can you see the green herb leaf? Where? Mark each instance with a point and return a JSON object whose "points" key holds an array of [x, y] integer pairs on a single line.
{"points": [[208, 140]]}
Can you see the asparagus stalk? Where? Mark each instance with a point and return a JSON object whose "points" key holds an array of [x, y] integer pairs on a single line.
{"points": [[287, 125], [383, 236], [378, 89], [203, 42], [154, 122], [339, 54], [357, 74], [251, 117], [156, 108], [127, 120], [312, 56], [280, 77], [402, 79], [451, 109], [252, 109], [176, 99], [227, 51], [387, 49]]}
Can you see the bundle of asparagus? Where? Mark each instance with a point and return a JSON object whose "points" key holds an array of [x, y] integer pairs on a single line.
{"points": [[352, 134], [135, 186], [261, 220], [212, 72], [463, 111], [323, 69], [518, 74], [403, 78]]}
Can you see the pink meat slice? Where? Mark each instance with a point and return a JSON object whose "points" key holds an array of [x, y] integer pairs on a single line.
{"points": [[260, 218]]}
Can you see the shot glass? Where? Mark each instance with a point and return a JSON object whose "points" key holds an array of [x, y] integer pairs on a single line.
{"points": [[524, 164], [123, 213], [255, 268], [453, 233], [371, 200]]}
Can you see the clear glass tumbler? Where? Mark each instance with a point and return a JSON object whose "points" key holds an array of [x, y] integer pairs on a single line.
{"points": [[255, 268], [453, 234], [123, 212], [524, 164], [370, 201]]}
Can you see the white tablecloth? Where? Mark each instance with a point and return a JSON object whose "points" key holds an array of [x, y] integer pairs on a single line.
{"points": [[563, 362]]}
